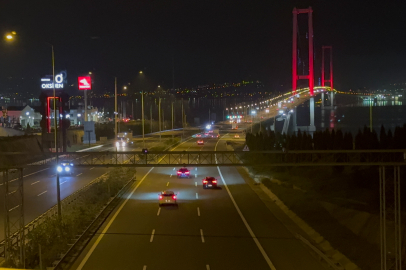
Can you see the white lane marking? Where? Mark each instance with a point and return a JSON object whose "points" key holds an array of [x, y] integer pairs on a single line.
{"points": [[159, 211], [173, 169], [53, 175], [167, 184], [197, 196], [201, 234], [34, 183], [261, 249], [42, 193], [144, 268], [196, 169], [170, 175], [195, 184], [152, 236], [195, 175], [79, 174], [89, 253], [87, 149], [63, 182], [29, 174], [198, 212], [207, 267], [13, 208], [92, 168]]}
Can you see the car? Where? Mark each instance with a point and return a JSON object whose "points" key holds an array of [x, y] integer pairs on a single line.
{"points": [[167, 197], [199, 135], [236, 136], [120, 143], [200, 142], [209, 182], [65, 167], [183, 172]]}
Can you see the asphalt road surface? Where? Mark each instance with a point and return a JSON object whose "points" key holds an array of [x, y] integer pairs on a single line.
{"points": [[40, 186], [225, 228]]}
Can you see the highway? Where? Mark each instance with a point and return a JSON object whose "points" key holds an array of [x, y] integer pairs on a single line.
{"points": [[225, 228], [40, 185]]}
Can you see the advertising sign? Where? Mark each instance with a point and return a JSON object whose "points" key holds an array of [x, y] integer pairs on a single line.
{"points": [[85, 83], [60, 79]]}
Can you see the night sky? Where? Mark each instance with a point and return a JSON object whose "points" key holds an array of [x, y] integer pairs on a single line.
{"points": [[205, 41]]}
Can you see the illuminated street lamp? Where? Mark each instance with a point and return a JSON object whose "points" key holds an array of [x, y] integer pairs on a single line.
{"points": [[10, 36]]}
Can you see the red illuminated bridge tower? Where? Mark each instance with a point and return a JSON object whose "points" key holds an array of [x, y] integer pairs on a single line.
{"points": [[323, 74], [295, 76]]}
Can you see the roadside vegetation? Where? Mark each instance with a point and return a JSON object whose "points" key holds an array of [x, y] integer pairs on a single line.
{"points": [[332, 199], [54, 235]]}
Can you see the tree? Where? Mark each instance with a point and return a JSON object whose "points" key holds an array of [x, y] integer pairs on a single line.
{"points": [[383, 141]]}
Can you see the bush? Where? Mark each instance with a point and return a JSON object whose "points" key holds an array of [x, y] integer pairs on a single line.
{"points": [[54, 235]]}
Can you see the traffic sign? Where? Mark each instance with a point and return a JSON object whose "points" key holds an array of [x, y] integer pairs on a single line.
{"points": [[246, 148]]}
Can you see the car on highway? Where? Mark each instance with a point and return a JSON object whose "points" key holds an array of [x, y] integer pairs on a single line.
{"points": [[167, 197], [199, 135], [236, 136], [120, 143], [65, 167], [200, 142], [209, 182], [183, 172]]}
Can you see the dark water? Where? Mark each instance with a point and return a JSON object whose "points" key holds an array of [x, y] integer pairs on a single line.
{"points": [[352, 114]]}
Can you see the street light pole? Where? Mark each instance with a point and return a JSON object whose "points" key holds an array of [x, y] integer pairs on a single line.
{"points": [[58, 188], [172, 119], [183, 121], [159, 114], [115, 108], [142, 108], [150, 113]]}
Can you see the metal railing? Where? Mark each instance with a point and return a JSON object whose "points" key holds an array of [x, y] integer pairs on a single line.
{"points": [[218, 158]]}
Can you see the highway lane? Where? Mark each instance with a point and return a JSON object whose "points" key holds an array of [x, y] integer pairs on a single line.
{"points": [[206, 231], [40, 186]]}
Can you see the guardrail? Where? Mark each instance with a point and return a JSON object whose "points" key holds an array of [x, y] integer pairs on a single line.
{"points": [[224, 158], [333, 265], [53, 211]]}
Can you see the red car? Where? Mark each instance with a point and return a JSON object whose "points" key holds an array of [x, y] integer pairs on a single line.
{"points": [[209, 182], [200, 142], [183, 172]]}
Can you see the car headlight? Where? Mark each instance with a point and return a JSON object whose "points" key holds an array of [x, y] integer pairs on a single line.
{"points": [[67, 169], [117, 144], [59, 169]]}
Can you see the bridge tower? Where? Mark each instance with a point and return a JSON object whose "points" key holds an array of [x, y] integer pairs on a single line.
{"points": [[323, 74], [295, 76], [310, 75]]}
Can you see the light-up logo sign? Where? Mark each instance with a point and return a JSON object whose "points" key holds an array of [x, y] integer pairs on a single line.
{"points": [[85, 83], [47, 82]]}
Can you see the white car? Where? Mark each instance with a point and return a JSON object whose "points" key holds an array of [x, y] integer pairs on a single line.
{"points": [[167, 197]]}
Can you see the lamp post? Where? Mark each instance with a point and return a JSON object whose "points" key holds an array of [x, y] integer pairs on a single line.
{"points": [[115, 108], [159, 118], [143, 126], [58, 188], [172, 119]]}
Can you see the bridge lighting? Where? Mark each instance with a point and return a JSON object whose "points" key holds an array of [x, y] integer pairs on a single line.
{"points": [[253, 112]]}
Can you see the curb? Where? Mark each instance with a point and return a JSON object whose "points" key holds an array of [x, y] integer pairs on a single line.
{"points": [[323, 244]]}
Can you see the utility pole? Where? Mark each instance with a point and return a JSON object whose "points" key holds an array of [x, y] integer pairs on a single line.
{"points": [[159, 115], [183, 121], [150, 113], [115, 108], [172, 119], [370, 112], [142, 108], [58, 188]]}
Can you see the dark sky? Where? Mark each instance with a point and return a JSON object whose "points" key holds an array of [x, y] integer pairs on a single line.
{"points": [[208, 41]]}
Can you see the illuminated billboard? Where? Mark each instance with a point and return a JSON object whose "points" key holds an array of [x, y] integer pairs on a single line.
{"points": [[84, 83]]}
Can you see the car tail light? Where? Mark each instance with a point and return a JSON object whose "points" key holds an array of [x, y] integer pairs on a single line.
{"points": [[187, 172], [174, 197], [215, 181], [160, 197], [178, 172], [204, 181]]}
